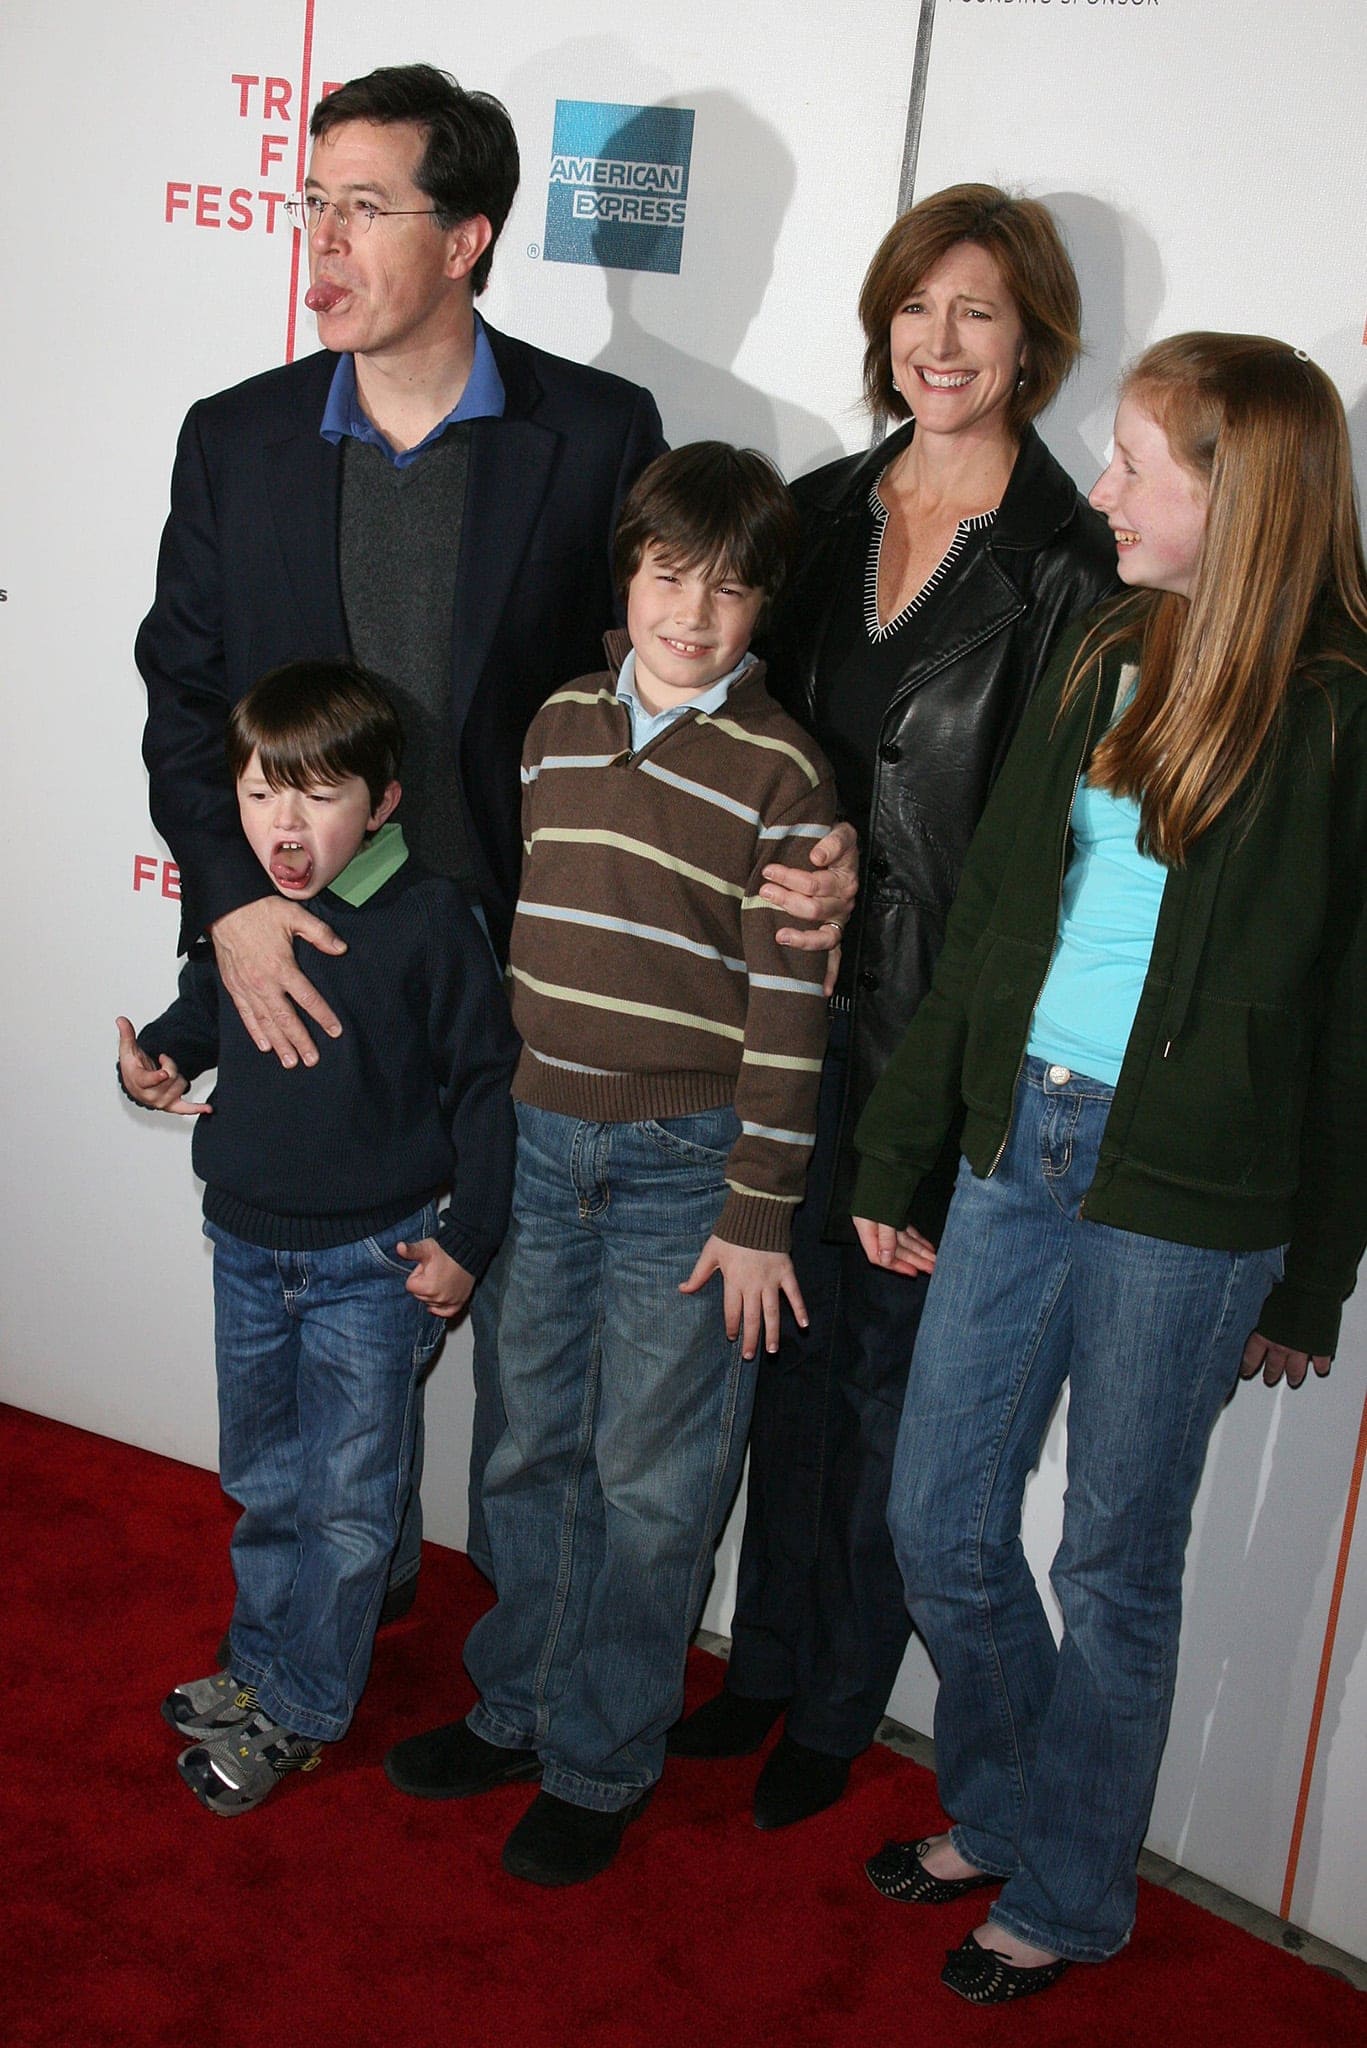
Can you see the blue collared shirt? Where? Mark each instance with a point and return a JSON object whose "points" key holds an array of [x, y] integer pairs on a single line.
{"points": [[482, 399], [647, 725]]}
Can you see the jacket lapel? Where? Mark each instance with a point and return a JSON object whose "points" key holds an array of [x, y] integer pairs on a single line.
{"points": [[303, 481], [986, 598], [511, 462], [979, 604], [832, 531]]}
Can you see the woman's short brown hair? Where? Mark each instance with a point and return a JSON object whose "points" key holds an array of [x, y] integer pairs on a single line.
{"points": [[1022, 238]]}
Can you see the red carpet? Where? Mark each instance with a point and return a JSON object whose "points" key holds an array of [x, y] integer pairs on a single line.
{"points": [[347, 1916]]}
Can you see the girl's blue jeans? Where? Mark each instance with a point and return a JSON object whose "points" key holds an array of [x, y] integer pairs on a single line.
{"points": [[1047, 1757]]}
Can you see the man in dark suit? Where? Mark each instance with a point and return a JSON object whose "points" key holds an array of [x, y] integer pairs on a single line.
{"points": [[427, 496]]}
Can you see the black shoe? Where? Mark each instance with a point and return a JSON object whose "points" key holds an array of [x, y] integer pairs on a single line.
{"points": [[898, 1872], [397, 1602], [726, 1725], [455, 1763], [555, 1843], [797, 1782], [984, 1977]]}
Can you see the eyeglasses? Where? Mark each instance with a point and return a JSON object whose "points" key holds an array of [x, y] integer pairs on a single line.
{"points": [[306, 212]]}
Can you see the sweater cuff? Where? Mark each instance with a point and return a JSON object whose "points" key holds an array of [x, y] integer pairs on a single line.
{"points": [[123, 1090], [1301, 1320], [462, 1245], [127, 1093], [758, 1223]]}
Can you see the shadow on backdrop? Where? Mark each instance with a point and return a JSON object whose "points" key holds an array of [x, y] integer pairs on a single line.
{"points": [[1256, 1600], [681, 336], [1120, 272]]}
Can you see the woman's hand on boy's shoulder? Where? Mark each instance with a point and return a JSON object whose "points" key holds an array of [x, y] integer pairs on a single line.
{"points": [[156, 1084], [826, 889], [437, 1280]]}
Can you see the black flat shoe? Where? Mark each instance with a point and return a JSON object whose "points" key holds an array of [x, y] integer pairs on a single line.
{"points": [[985, 1978], [398, 1601], [898, 1873], [797, 1782], [726, 1725], [455, 1763], [556, 1844]]}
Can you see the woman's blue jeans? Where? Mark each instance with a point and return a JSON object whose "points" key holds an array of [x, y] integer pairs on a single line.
{"points": [[1046, 1757], [627, 1410], [319, 1357]]}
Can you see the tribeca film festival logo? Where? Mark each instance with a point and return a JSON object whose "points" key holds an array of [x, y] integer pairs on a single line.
{"points": [[270, 105], [151, 871], [618, 191]]}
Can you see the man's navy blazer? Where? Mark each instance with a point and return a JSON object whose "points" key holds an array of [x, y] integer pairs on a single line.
{"points": [[248, 578]]}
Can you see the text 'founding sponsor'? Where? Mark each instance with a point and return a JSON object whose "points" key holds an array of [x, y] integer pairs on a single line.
{"points": [[618, 189]]}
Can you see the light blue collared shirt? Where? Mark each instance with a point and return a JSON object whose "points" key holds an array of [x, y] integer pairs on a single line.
{"points": [[648, 725], [482, 399]]}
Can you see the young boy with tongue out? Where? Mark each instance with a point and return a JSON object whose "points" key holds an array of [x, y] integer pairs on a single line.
{"points": [[332, 1268]]}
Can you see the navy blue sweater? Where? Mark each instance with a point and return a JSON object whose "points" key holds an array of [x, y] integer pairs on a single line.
{"points": [[411, 1099]]}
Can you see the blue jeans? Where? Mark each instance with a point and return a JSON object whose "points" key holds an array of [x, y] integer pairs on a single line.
{"points": [[1047, 1757], [319, 1358], [627, 1409], [406, 1562], [489, 1421]]}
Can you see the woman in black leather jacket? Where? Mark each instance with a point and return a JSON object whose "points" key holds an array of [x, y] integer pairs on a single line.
{"points": [[936, 574]]}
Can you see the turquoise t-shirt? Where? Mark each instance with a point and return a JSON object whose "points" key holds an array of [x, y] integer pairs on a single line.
{"points": [[1107, 920]]}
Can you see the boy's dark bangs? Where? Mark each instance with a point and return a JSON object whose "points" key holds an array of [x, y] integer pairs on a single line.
{"points": [[315, 724], [294, 762], [719, 563]]}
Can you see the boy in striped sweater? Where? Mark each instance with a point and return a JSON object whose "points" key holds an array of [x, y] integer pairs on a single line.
{"points": [[666, 1102]]}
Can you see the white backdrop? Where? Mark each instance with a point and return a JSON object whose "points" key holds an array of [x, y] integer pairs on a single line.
{"points": [[1199, 154]]}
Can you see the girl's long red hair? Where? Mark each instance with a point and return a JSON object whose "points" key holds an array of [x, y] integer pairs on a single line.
{"points": [[1264, 430]]}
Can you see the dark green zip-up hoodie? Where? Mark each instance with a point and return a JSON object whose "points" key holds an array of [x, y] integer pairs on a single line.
{"points": [[1240, 1114]]}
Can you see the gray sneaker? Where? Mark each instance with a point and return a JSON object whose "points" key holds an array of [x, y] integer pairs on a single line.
{"points": [[209, 1706], [235, 1770]]}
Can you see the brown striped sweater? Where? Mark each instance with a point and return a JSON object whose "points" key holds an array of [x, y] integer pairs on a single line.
{"points": [[646, 981]]}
